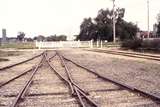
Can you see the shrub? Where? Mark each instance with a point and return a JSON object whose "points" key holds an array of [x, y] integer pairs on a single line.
{"points": [[132, 44], [151, 44]]}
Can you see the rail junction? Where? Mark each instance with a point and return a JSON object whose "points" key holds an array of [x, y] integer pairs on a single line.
{"points": [[52, 80]]}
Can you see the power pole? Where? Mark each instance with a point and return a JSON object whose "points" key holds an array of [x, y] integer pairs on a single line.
{"points": [[148, 19], [114, 23]]}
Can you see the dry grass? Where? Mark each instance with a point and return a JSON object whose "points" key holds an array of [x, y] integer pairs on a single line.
{"points": [[9, 53]]}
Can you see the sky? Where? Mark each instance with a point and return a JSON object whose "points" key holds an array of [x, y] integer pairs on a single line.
{"points": [[49, 17]]}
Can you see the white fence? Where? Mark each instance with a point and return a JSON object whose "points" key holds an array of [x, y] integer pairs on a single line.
{"points": [[65, 44]]}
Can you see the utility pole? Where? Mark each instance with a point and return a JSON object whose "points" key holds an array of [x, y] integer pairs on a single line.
{"points": [[114, 23], [148, 18]]}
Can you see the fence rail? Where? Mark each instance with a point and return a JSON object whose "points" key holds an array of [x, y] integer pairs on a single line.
{"points": [[65, 44]]}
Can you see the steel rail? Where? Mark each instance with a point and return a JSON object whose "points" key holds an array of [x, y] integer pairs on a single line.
{"points": [[16, 77], [133, 89], [71, 80], [59, 75], [12, 65], [79, 96], [77, 89], [73, 88], [69, 83], [69, 75], [67, 71], [51, 57], [136, 55], [26, 86]]}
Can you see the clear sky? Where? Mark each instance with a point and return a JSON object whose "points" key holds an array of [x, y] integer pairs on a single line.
{"points": [[48, 17]]}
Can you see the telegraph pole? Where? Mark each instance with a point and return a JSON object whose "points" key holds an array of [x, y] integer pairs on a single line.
{"points": [[148, 18], [114, 23]]}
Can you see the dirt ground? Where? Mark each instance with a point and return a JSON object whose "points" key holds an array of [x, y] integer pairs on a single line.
{"points": [[11, 56], [140, 73], [46, 86]]}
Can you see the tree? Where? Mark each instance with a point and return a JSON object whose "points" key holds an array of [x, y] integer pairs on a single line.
{"points": [[57, 38], [20, 36], [28, 39], [62, 37], [158, 29], [104, 24], [101, 27], [87, 30], [39, 38], [158, 25]]}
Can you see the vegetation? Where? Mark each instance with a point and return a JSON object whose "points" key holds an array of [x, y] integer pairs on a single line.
{"points": [[3, 59], [56, 38], [100, 28], [158, 29], [158, 26], [20, 36], [19, 45], [132, 44], [9, 53], [142, 44], [51, 38], [39, 38]]}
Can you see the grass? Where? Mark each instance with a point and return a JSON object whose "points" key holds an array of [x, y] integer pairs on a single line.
{"points": [[3, 59], [19, 45], [31, 45], [9, 53]]}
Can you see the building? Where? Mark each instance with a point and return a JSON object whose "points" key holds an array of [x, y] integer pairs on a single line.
{"points": [[4, 36]]}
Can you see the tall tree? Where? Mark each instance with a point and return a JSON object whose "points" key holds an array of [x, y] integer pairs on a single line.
{"points": [[39, 38], [103, 22], [87, 30], [101, 26], [57, 38], [158, 29], [20, 36], [158, 25]]}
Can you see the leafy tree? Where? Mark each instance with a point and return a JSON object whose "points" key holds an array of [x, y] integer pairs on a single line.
{"points": [[62, 37], [57, 38], [158, 29], [104, 24], [87, 30], [39, 38], [101, 26], [158, 25], [20, 36], [29, 39]]}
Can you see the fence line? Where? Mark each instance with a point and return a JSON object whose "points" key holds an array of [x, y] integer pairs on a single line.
{"points": [[65, 44]]}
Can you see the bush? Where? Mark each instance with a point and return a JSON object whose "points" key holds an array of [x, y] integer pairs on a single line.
{"points": [[147, 44], [151, 44], [132, 44]]}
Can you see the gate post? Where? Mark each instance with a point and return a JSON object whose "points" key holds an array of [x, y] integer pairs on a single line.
{"points": [[91, 44], [97, 43], [101, 44]]}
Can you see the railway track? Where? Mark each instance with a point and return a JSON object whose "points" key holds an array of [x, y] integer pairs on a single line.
{"points": [[129, 54], [27, 60], [60, 82]]}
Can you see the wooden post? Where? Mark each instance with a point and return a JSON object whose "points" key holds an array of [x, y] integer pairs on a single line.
{"points": [[101, 44]]}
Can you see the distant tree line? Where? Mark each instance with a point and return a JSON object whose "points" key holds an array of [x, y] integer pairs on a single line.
{"points": [[100, 28], [51, 38], [21, 37]]}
